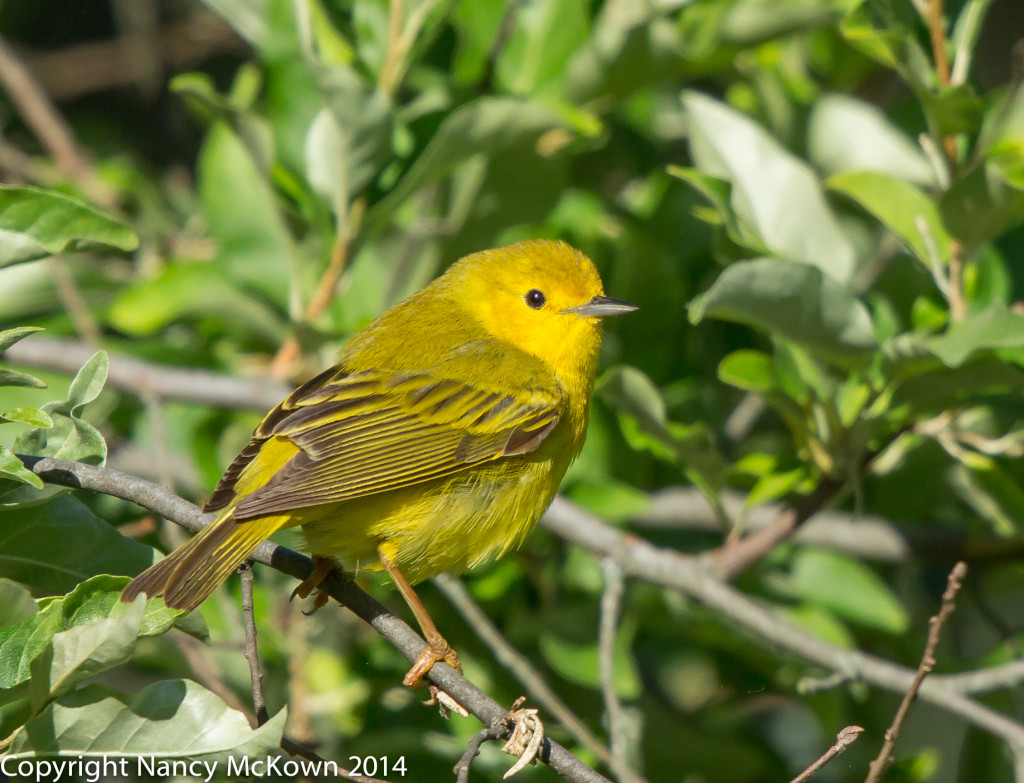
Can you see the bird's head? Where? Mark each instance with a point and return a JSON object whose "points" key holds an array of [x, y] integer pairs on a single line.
{"points": [[542, 296]]}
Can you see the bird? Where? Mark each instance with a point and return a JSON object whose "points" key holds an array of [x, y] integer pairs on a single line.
{"points": [[434, 444]]}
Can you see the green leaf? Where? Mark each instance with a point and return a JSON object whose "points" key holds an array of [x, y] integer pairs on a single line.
{"points": [[13, 468], [33, 416], [994, 327], [843, 585], [254, 245], [487, 125], [981, 205], [167, 720], [50, 547], [16, 603], [69, 436], [748, 370], [192, 291], [15, 378], [9, 337], [543, 38], [772, 190], [794, 300], [82, 652], [350, 138], [94, 601], [37, 223], [718, 192], [846, 134], [899, 205]]}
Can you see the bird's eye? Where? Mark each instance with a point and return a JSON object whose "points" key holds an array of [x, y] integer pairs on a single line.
{"points": [[535, 299]]}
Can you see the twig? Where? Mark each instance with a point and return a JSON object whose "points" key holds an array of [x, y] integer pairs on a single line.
{"points": [[733, 559], [388, 71], [935, 624], [49, 127], [164, 502], [844, 739], [693, 577], [137, 376], [72, 300], [94, 66], [487, 734], [199, 660], [518, 665], [611, 604], [937, 33], [252, 655], [285, 358]]}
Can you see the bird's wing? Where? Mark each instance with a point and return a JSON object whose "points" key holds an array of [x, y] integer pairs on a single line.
{"points": [[367, 432]]}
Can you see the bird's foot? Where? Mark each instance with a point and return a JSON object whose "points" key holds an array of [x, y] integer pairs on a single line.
{"points": [[322, 566], [437, 649], [526, 738]]}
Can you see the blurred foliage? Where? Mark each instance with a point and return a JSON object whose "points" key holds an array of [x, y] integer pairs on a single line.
{"points": [[823, 232]]}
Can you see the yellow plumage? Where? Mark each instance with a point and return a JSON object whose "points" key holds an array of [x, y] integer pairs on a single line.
{"points": [[435, 443]]}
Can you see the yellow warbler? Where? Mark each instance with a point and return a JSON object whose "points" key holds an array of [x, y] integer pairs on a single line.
{"points": [[434, 444]]}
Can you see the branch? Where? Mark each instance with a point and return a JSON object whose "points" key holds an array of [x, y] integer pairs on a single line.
{"points": [[162, 501], [639, 559], [48, 126], [137, 376], [935, 624], [844, 739], [611, 605], [252, 655], [518, 665], [691, 576]]}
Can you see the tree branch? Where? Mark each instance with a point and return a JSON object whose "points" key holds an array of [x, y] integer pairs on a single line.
{"points": [[693, 577], [518, 665], [639, 559], [935, 624], [844, 739], [164, 502], [137, 376]]}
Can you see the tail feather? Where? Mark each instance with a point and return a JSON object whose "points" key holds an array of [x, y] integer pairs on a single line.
{"points": [[188, 575]]}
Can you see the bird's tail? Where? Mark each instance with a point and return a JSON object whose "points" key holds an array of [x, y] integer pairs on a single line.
{"points": [[188, 575]]}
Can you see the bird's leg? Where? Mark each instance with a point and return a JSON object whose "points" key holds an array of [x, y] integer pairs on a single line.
{"points": [[438, 648], [322, 566]]}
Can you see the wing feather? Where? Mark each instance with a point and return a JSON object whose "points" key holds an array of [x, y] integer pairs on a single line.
{"points": [[367, 432]]}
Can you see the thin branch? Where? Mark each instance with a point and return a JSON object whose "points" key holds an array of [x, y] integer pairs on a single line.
{"points": [[863, 535], [693, 577], [487, 734], [734, 558], [164, 502], [639, 559], [935, 624], [136, 376], [844, 739], [519, 665], [252, 655], [47, 124], [72, 299], [611, 604], [348, 226]]}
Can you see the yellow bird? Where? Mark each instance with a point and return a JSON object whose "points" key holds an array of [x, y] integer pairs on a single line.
{"points": [[434, 444]]}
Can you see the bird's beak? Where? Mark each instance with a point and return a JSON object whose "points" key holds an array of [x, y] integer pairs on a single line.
{"points": [[601, 307]]}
